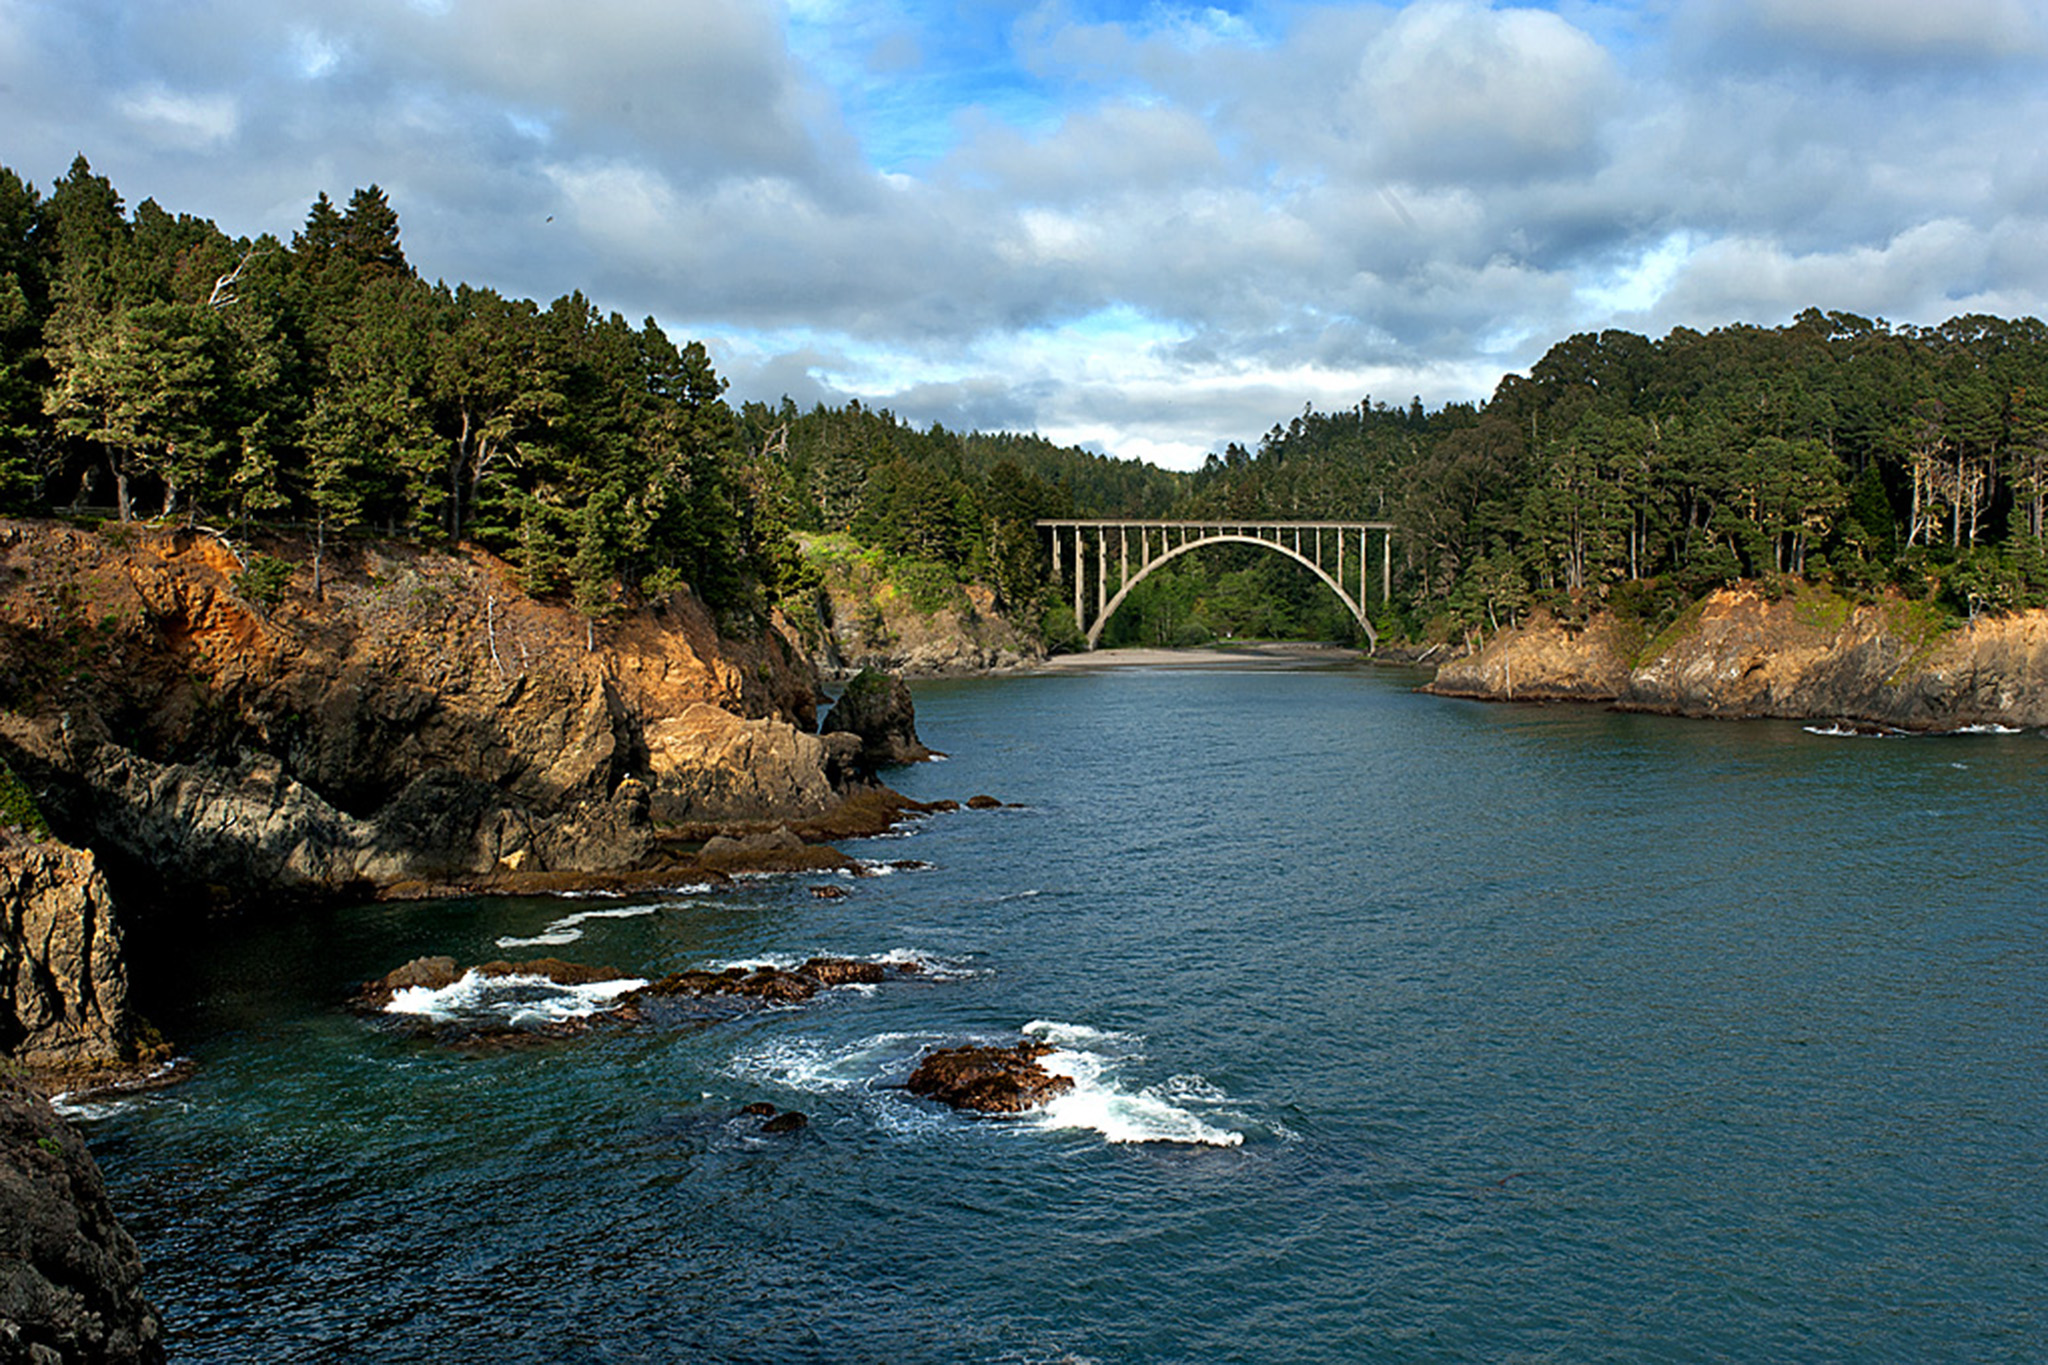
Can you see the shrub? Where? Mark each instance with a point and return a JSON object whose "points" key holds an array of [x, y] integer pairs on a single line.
{"points": [[263, 581]]}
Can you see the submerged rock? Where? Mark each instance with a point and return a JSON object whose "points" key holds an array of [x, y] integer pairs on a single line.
{"points": [[787, 1122], [70, 1275], [988, 1080]]}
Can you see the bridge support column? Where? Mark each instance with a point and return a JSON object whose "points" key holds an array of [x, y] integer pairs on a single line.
{"points": [[1101, 572], [1080, 621]]}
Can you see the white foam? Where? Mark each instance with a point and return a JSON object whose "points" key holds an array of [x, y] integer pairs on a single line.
{"points": [[520, 1001], [1988, 728], [922, 962], [1075, 1035], [927, 964], [1089, 1056], [1850, 732], [570, 927], [113, 1100], [1124, 1116], [809, 1066]]}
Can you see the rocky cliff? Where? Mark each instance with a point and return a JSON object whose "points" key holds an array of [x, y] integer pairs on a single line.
{"points": [[63, 983], [1804, 654], [415, 717]]}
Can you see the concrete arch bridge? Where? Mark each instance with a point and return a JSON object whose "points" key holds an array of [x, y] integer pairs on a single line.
{"points": [[1125, 553]]}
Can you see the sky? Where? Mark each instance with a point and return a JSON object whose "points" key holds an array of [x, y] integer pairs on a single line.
{"points": [[1148, 228]]}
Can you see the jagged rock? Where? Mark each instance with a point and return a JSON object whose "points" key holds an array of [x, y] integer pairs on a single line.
{"points": [[70, 1275], [63, 984], [767, 841], [432, 973], [763, 983], [843, 971], [552, 969], [876, 706], [988, 1080]]}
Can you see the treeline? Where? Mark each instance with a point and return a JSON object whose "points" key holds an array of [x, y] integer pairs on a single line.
{"points": [[153, 365], [1626, 469]]}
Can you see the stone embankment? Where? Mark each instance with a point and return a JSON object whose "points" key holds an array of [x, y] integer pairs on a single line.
{"points": [[1807, 654]]}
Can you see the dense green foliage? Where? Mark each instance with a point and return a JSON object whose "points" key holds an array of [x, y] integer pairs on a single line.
{"points": [[150, 364], [1643, 472]]}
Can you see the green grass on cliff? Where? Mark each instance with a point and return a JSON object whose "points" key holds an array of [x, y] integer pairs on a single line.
{"points": [[18, 808]]}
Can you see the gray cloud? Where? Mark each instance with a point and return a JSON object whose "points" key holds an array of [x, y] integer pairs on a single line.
{"points": [[1165, 232]]}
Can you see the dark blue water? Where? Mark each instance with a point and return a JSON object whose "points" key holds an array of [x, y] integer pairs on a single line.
{"points": [[1407, 1030]]}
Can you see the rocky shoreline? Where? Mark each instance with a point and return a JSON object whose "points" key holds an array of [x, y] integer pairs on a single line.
{"points": [[1805, 654]]}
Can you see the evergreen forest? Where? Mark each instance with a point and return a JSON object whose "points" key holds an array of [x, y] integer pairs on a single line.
{"points": [[153, 366]]}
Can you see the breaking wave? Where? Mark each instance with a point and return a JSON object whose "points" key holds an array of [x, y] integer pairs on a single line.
{"points": [[1185, 1109], [513, 1001], [1101, 1103]]}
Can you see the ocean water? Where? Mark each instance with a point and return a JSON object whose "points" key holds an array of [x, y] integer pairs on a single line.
{"points": [[1403, 1029]]}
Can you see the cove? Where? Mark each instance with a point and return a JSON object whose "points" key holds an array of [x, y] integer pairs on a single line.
{"points": [[1404, 1029]]}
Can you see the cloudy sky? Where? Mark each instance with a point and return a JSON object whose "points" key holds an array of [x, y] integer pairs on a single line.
{"points": [[1147, 227]]}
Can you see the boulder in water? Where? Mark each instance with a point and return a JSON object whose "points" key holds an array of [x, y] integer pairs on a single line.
{"points": [[988, 1080]]}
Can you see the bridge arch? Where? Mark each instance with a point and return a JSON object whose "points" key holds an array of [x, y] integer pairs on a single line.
{"points": [[1109, 610], [1324, 557]]}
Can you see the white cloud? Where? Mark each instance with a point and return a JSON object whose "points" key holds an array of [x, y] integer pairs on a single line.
{"points": [[1455, 90], [188, 122]]}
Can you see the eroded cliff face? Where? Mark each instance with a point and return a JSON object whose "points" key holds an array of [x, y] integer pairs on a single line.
{"points": [[420, 718], [1809, 654]]}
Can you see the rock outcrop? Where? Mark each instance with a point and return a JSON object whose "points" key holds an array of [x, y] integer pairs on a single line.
{"points": [[989, 1080], [1805, 655], [866, 618], [63, 983], [421, 719], [70, 1275], [877, 709]]}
